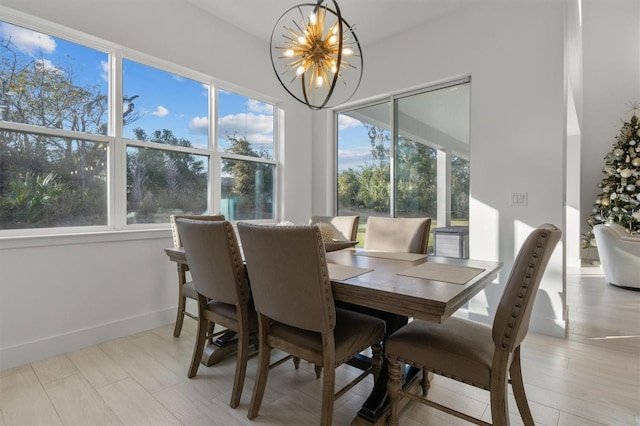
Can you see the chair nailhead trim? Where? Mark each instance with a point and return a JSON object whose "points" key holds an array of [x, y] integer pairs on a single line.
{"points": [[440, 373], [533, 263]]}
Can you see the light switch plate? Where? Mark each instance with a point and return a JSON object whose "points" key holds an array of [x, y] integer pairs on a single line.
{"points": [[519, 199]]}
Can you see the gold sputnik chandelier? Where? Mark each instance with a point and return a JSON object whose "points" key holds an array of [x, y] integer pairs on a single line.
{"points": [[316, 55]]}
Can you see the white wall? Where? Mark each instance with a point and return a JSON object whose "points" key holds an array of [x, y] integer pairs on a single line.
{"points": [[514, 52], [611, 52], [63, 293]]}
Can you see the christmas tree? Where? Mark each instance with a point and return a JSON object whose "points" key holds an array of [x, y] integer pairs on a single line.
{"points": [[619, 200]]}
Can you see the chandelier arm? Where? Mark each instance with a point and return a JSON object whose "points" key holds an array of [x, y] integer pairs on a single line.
{"points": [[313, 56]]}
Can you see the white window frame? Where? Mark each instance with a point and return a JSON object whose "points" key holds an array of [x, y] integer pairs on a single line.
{"points": [[117, 145]]}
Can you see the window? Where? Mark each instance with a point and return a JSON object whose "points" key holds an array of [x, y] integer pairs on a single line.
{"points": [[407, 157], [72, 156], [246, 142], [53, 156]]}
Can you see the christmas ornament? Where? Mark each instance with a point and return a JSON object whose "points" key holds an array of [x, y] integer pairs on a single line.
{"points": [[619, 197]]}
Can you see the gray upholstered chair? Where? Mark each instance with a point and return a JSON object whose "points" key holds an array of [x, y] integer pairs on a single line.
{"points": [[345, 227], [220, 280], [296, 312], [480, 355], [410, 235], [619, 253], [185, 288]]}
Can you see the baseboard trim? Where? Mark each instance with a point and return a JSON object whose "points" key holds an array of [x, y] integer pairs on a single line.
{"points": [[39, 350]]}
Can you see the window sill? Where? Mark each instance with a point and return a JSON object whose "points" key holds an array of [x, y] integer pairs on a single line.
{"points": [[27, 241]]}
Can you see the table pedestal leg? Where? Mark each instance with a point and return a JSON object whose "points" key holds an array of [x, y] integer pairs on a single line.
{"points": [[224, 345]]}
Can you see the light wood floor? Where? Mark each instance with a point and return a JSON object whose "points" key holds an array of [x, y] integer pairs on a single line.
{"points": [[592, 377]]}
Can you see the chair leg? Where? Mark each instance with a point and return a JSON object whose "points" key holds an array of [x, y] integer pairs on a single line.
{"points": [[182, 301], [376, 360], [517, 384], [241, 367], [328, 393], [201, 337], [498, 389], [318, 371], [394, 387], [210, 332], [425, 383], [264, 356], [296, 362]]}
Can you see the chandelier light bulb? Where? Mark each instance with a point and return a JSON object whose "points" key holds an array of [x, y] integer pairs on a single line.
{"points": [[314, 45]]}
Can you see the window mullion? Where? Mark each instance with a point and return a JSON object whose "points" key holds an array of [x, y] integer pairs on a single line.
{"points": [[118, 192]]}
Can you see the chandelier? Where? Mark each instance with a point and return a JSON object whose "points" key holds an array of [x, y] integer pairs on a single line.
{"points": [[316, 55]]}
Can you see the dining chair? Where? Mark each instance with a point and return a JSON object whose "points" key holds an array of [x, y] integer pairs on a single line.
{"points": [[401, 234], [220, 279], [345, 227], [185, 288], [292, 292], [480, 355]]}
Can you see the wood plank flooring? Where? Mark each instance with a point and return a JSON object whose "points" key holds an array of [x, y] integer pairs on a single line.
{"points": [[590, 378]]}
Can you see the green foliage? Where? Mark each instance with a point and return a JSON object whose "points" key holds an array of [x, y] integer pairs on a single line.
{"points": [[160, 180], [619, 199], [33, 198], [42, 94], [249, 183], [368, 188]]}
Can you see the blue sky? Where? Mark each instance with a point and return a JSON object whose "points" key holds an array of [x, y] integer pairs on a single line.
{"points": [[354, 145], [168, 101], [165, 100]]}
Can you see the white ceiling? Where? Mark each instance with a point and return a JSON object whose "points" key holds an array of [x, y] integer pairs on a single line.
{"points": [[374, 20]]}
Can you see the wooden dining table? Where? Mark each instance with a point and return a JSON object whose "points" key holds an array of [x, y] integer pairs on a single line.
{"points": [[406, 285]]}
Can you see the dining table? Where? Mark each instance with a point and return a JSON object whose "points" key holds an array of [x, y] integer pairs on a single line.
{"points": [[400, 287]]}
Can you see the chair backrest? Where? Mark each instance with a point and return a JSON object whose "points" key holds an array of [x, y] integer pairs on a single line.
{"points": [[511, 323], [289, 275], [410, 235], [177, 242], [345, 227], [618, 237], [215, 260]]}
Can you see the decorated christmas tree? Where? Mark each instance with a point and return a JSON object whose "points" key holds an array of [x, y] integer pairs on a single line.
{"points": [[619, 200]]}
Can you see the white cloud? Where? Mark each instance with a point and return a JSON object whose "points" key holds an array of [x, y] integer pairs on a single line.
{"points": [[259, 107], [46, 64], [160, 111], [105, 70], [27, 41], [199, 125], [245, 124], [256, 128], [345, 122], [354, 158]]}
